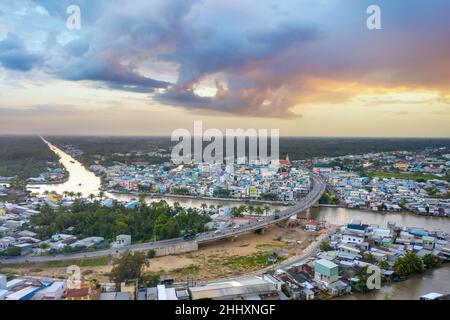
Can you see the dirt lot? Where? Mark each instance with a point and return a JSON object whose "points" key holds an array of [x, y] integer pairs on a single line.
{"points": [[218, 260]]}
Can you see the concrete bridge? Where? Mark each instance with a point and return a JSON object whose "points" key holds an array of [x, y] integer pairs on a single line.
{"points": [[179, 245]]}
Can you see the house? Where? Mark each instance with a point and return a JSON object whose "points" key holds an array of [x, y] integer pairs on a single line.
{"points": [[25, 248], [325, 271], [77, 294], [428, 242], [352, 238], [312, 225], [235, 289], [115, 296], [53, 292], [122, 240]]}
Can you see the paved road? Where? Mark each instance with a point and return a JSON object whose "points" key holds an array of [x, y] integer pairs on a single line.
{"points": [[309, 200]]}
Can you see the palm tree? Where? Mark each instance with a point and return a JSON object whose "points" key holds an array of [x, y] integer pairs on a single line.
{"points": [[91, 197], [79, 195], [204, 206], [251, 209], [101, 194], [71, 194], [259, 211], [266, 209]]}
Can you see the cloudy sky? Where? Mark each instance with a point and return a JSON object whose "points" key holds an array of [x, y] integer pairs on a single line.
{"points": [[307, 67]]}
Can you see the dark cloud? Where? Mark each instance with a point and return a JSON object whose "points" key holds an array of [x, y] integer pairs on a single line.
{"points": [[262, 53], [109, 70], [15, 56]]}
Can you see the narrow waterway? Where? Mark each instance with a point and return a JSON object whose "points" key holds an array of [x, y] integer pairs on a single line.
{"points": [[84, 181], [341, 216], [80, 179], [437, 280]]}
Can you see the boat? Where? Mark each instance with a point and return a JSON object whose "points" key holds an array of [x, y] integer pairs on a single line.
{"points": [[71, 161], [79, 184]]}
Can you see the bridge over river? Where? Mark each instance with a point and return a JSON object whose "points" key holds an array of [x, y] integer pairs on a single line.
{"points": [[179, 245]]}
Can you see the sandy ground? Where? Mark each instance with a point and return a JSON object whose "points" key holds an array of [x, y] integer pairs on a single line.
{"points": [[221, 259]]}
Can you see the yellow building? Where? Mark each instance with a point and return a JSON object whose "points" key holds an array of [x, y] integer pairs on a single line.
{"points": [[401, 165], [54, 197], [2, 212], [253, 192]]}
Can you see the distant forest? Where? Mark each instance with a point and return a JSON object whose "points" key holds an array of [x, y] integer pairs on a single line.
{"points": [[24, 156], [298, 148], [27, 156]]}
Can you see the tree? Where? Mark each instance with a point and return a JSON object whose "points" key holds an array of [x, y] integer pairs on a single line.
{"points": [[266, 209], [150, 279], [259, 211], [430, 261], [325, 246], [384, 265], [408, 264], [151, 254], [13, 251], [128, 266], [43, 245]]}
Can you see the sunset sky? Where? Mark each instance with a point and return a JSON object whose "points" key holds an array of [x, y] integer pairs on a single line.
{"points": [[147, 67]]}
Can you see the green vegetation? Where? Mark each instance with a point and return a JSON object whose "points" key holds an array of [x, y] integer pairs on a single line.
{"points": [[156, 221], [250, 262], [151, 254], [409, 264], [85, 262], [184, 272], [221, 193], [268, 196], [128, 266], [407, 176], [24, 156], [384, 265], [108, 150], [326, 246], [328, 198], [180, 191], [11, 252], [430, 261]]}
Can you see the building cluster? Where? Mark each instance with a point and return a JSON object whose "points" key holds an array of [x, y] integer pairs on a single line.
{"points": [[16, 238], [354, 247], [54, 174], [427, 161], [263, 287], [394, 192], [239, 181]]}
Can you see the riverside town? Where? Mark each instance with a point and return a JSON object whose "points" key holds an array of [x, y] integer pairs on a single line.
{"points": [[213, 159]]}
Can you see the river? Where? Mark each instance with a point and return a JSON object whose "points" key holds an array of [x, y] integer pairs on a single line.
{"points": [[80, 179], [84, 181]]}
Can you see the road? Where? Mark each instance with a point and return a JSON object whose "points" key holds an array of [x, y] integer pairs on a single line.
{"points": [[318, 188]]}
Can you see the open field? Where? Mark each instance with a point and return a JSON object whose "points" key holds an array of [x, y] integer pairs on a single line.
{"points": [[222, 259]]}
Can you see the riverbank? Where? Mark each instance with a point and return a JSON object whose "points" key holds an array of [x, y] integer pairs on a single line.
{"points": [[381, 212], [433, 280], [179, 196]]}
